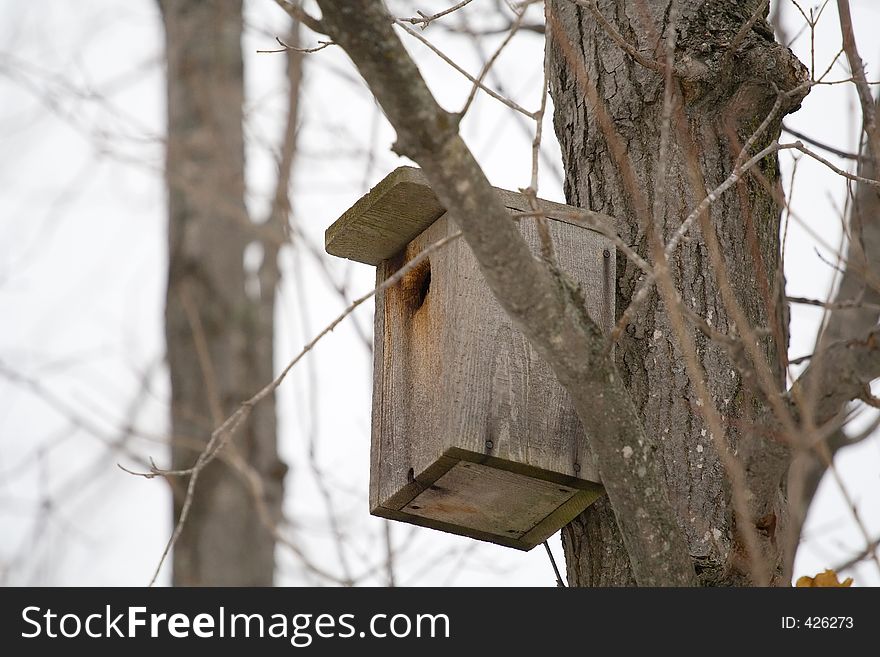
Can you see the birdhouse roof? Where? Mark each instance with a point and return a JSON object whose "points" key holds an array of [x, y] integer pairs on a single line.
{"points": [[396, 211]]}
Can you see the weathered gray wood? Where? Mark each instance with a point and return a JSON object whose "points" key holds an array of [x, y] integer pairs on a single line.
{"points": [[507, 401], [467, 493], [454, 380], [400, 207], [383, 221]]}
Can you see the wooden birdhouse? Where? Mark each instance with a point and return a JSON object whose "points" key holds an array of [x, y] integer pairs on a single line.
{"points": [[471, 432]]}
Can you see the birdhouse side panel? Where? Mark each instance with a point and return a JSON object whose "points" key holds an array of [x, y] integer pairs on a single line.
{"points": [[506, 401], [409, 377]]}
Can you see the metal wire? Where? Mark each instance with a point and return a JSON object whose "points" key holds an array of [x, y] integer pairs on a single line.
{"points": [[559, 581]]}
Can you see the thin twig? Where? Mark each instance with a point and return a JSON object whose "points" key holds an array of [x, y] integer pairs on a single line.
{"points": [[507, 101], [840, 172], [531, 193], [867, 553], [592, 220], [818, 144], [491, 61], [288, 48], [866, 100], [647, 283], [833, 305], [747, 147], [424, 20]]}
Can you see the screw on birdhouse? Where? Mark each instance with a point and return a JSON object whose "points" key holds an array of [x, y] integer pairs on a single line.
{"points": [[451, 368]]}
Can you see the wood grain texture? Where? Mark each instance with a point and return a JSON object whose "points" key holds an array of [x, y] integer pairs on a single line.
{"points": [[490, 499], [402, 205], [452, 373], [498, 501], [383, 221]]}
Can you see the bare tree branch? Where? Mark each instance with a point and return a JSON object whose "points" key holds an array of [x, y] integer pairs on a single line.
{"points": [[424, 20], [858, 71], [818, 144], [847, 356]]}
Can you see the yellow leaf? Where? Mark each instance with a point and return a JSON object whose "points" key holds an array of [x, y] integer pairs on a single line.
{"points": [[828, 579]]}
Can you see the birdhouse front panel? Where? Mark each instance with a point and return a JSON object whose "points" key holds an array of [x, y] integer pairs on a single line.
{"points": [[471, 431]]}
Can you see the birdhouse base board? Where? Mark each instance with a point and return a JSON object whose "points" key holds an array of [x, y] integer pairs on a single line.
{"points": [[490, 499]]}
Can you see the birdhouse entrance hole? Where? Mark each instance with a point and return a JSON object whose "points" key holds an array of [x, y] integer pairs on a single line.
{"points": [[416, 283]]}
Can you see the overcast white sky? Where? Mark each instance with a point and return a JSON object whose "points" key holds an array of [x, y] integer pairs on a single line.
{"points": [[82, 274]]}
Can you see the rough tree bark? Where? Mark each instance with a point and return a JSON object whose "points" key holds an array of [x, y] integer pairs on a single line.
{"points": [[219, 331], [723, 98]]}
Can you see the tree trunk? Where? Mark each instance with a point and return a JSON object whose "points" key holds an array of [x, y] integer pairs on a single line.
{"points": [[719, 105], [219, 328]]}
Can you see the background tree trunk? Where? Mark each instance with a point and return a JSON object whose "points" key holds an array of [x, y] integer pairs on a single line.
{"points": [[219, 327], [720, 106]]}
